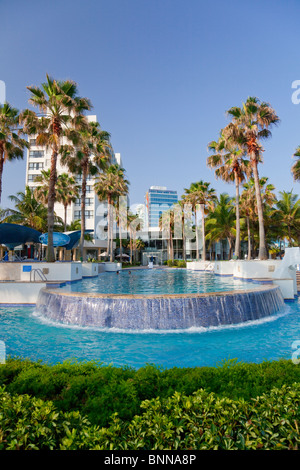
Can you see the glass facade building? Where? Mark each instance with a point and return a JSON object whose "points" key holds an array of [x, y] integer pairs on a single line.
{"points": [[158, 200]]}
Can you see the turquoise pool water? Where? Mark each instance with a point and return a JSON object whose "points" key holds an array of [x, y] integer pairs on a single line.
{"points": [[158, 282], [28, 335]]}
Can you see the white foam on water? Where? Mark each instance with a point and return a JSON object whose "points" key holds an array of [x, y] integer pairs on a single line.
{"points": [[191, 330]]}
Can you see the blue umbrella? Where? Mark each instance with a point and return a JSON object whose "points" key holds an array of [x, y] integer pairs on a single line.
{"points": [[59, 239]]}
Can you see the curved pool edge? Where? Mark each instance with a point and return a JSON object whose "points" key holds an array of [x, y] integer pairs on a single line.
{"points": [[159, 312]]}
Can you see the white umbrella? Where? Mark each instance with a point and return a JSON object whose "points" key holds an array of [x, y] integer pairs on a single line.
{"points": [[103, 254], [124, 255]]}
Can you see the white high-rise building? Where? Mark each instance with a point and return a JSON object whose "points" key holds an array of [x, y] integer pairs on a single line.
{"points": [[39, 158]]}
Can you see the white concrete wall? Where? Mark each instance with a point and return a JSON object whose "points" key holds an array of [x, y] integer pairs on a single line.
{"points": [[59, 271], [20, 292], [200, 265], [255, 268]]}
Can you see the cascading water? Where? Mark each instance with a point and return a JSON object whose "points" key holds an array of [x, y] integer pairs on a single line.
{"points": [[161, 312]]}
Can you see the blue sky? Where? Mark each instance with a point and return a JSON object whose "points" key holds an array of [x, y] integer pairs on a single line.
{"points": [[160, 75]]}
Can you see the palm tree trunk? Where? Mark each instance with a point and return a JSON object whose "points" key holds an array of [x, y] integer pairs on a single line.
{"points": [[197, 234], [1, 167], [262, 254], [203, 233], [82, 206], [249, 237], [65, 222], [237, 211], [51, 201], [108, 225]]}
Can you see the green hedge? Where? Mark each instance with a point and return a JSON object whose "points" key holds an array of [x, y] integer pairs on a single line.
{"points": [[201, 421], [98, 391]]}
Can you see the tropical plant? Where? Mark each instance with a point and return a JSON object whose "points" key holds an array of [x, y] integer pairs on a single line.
{"points": [[12, 144], [231, 166], [108, 186], [296, 165], [62, 107], [250, 125], [220, 223], [87, 156], [66, 190], [288, 210], [28, 211], [134, 223], [202, 198], [166, 226]]}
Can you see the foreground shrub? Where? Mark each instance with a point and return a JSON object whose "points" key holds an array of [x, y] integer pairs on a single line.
{"points": [[98, 391], [201, 421]]}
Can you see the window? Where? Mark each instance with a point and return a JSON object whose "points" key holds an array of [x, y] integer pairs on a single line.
{"points": [[32, 141], [31, 178], [88, 214], [35, 166], [36, 154], [88, 201]]}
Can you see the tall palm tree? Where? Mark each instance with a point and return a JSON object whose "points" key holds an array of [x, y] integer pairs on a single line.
{"points": [[231, 166], [200, 195], [61, 105], [12, 144], [220, 223], [108, 186], [250, 124], [134, 223], [88, 154], [249, 205], [166, 224], [66, 190]]}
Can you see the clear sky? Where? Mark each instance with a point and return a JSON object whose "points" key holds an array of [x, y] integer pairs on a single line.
{"points": [[160, 75]]}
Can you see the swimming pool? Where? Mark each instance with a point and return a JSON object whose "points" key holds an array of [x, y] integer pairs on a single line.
{"points": [[26, 334], [159, 299]]}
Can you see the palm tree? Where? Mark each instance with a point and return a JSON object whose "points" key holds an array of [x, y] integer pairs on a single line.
{"points": [[166, 224], [288, 210], [11, 144], [108, 186], [220, 223], [87, 156], [66, 190], [249, 205], [296, 165], [231, 166], [250, 124], [200, 195], [61, 106], [134, 224], [28, 211]]}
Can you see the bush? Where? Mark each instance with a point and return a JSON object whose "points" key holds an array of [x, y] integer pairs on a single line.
{"points": [[200, 421]]}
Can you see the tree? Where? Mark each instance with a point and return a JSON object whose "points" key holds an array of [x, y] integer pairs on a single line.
{"points": [[28, 211], [288, 210], [134, 224], [88, 154], [249, 207], [66, 190], [108, 186], [166, 224], [200, 195], [220, 223], [12, 145], [62, 107], [250, 124], [296, 165], [231, 166]]}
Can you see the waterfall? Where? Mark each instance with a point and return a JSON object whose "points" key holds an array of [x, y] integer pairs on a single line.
{"points": [[164, 312]]}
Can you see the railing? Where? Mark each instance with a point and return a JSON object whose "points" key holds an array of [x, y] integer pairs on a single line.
{"points": [[39, 272]]}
